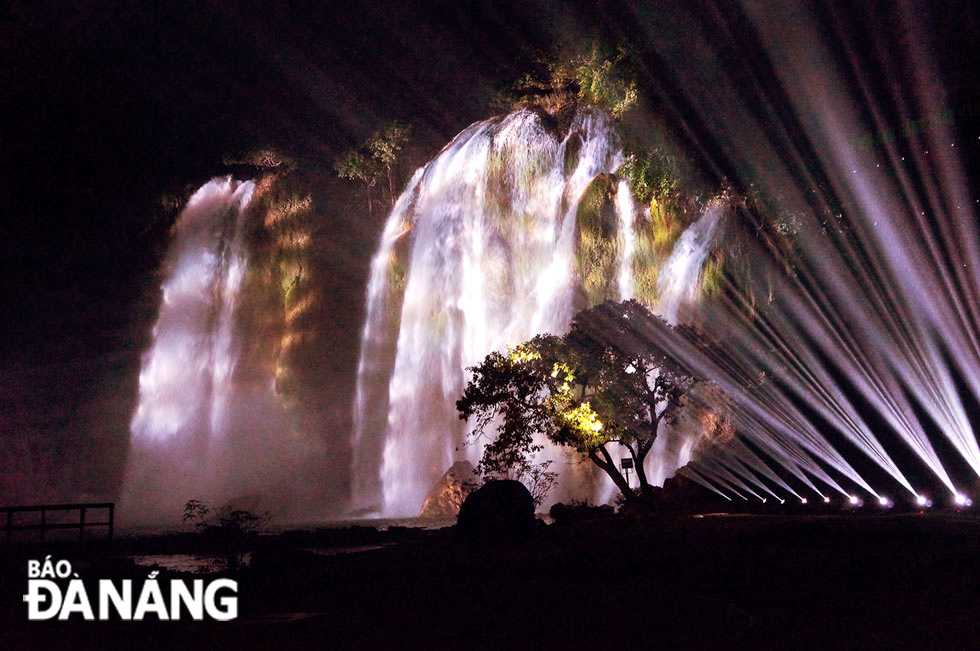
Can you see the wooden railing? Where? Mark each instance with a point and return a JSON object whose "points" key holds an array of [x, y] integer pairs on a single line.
{"points": [[43, 526]]}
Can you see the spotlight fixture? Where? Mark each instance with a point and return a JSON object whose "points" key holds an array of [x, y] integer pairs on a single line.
{"points": [[854, 499]]}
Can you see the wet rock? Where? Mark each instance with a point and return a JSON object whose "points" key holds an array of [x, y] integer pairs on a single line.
{"points": [[446, 497]]}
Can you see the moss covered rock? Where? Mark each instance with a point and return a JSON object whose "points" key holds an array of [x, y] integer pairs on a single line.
{"points": [[598, 247]]}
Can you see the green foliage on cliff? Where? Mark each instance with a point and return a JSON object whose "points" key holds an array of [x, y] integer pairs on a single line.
{"points": [[602, 74], [652, 174], [598, 249], [713, 277], [375, 162], [354, 165], [587, 72]]}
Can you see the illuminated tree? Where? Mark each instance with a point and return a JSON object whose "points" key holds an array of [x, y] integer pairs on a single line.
{"points": [[604, 382]]}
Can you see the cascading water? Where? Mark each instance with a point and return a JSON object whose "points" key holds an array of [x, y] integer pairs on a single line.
{"points": [[487, 246], [489, 261], [480, 253], [627, 238], [184, 383], [209, 424], [679, 286]]}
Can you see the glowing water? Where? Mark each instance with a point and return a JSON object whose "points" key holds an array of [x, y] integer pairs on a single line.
{"points": [[209, 424], [480, 253], [185, 374], [679, 286], [185, 378], [489, 262], [626, 209]]}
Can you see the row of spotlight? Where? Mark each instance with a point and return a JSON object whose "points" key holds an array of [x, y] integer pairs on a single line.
{"points": [[960, 499]]}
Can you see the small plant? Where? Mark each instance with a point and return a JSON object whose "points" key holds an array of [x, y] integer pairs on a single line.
{"points": [[538, 480], [231, 531], [233, 521], [241, 521], [196, 511]]}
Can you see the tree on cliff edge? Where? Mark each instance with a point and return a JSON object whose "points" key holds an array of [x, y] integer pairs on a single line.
{"points": [[604, 382], [375, 162]]}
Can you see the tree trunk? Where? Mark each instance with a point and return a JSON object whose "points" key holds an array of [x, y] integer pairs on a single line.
{"points": [[641, 455], [607, 464], [642, 449], [391, 186], [641, 473]]}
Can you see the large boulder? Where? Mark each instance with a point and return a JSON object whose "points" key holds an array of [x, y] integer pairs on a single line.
{"points": [[447, 496], [502, 509]]}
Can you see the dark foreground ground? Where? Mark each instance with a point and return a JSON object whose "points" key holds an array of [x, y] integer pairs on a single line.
{"points": [[771, 582]]}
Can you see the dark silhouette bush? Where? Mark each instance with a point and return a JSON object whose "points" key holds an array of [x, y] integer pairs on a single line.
{"points": [[565, 514]]}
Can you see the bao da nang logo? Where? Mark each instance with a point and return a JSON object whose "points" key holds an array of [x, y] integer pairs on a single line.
{"points": [[54, 590]]}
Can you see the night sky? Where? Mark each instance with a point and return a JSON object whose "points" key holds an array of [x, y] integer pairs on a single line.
{"points": [[112, 113]]}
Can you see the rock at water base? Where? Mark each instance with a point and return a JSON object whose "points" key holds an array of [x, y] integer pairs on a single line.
{"points": [[447, 496]]}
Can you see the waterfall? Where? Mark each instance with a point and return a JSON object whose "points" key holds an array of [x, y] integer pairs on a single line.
{"points": [[377, 353], [627, 237], [185, 374], [679, 283], [678, 292], [185, 378], [483, 249], [209, 423], [478, 254]]}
